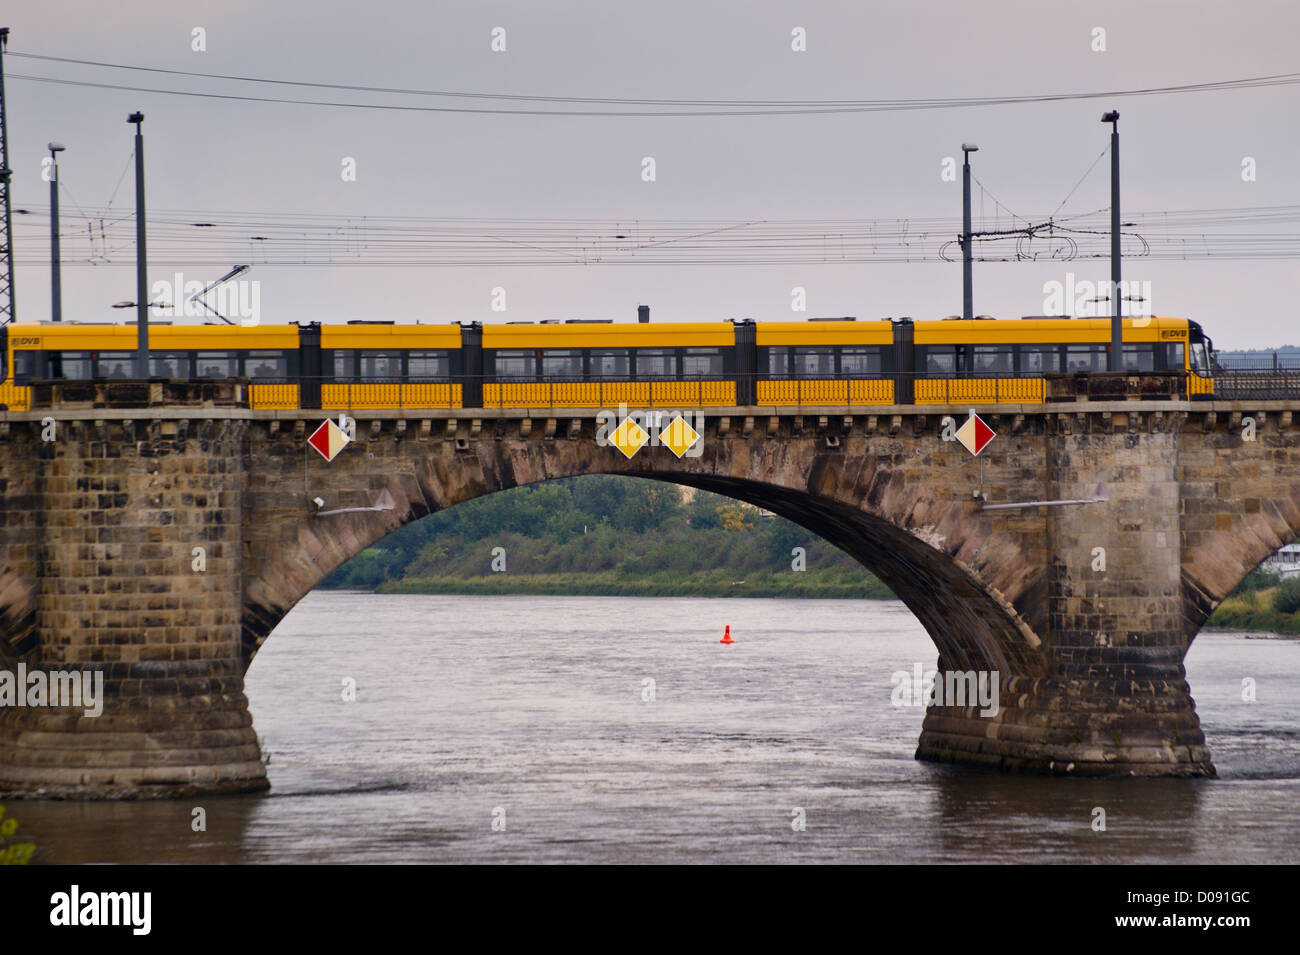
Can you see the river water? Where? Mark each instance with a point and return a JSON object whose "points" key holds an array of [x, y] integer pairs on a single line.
{"points": [[513, 729]]}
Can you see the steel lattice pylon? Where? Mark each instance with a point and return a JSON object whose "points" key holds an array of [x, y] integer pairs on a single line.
{"points": [[7, 312]]}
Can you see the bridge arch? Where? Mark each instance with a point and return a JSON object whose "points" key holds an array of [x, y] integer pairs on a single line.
{"points": [[1239, 503], [873, 518]]}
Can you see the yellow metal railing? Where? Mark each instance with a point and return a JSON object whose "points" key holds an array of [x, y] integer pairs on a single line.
{"points": [[643, 394], [873, 391], [280, 397], [942, 391], [700, 394], [369, 395], [608, 394], [15, 397]]}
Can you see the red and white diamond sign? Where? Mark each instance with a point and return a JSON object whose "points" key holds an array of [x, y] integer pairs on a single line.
{"points": [[975, 435], [329, 439]]}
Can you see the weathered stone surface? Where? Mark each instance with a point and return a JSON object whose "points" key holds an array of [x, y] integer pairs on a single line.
{"points": [[98, 549], [98, 530]]}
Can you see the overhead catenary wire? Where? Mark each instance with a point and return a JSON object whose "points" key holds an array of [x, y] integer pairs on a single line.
{"points": [[1250, 82], [1081, 179], [676, 107], [206, 237]]}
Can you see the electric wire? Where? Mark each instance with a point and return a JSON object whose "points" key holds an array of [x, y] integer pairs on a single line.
{"points": [[678, 107]]}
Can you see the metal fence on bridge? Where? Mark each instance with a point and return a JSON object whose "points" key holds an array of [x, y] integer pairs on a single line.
{"points": [[1230, 384], [1237, 384]]}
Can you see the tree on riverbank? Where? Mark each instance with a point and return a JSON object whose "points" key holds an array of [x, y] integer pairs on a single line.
{"points": [[1261, 602], [606, 534]]}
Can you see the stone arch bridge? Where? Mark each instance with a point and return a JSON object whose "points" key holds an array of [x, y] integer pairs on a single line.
{"points": [[161, 544]]}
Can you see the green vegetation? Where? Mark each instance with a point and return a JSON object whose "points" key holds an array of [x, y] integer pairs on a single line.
{"points": [[1286, 599], [1260, 602], [604, 535]]}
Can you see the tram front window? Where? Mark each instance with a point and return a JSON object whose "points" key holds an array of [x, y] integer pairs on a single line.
{"points": [[1200, 362]]}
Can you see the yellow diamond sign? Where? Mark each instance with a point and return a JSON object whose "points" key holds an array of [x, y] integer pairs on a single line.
{"points": [[678, 436], [629, 437]]}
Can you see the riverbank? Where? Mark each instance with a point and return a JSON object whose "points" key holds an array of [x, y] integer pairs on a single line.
{"points": [[1234, 614], [828, 584], [1254, 610], [603, 536]]}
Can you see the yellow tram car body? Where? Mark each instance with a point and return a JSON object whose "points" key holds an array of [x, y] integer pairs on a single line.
{"points": [[829, 363], [563, 344], [1086, 337], [369, 341]]}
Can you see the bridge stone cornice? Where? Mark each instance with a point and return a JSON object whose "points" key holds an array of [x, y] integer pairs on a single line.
{"points": [[1285, 409]]}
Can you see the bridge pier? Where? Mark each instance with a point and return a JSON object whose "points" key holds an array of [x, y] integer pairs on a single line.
{"points": [[126, 536], [1115, 700], [1102, 727]]}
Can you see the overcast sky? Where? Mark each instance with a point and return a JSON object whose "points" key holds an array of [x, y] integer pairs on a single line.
{"points": [[1179, 151]]}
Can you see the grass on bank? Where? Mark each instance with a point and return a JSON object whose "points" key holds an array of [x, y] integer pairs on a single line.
{"points": [[1260, 602], [827, 584]]}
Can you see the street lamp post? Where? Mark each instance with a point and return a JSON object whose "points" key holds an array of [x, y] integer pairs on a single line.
{"points": [[1116, 360], [967, 282], [56, 285], [141, 267]]}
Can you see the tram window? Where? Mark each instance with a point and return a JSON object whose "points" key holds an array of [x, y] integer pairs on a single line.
{"points": [[1200, 362], [611, 364], [1038, 359], [381, 364], [1085, 357], [266, 364], [217, 364], [562, 363], [514, 364], [345, 364], [656, 363], [702, 363], [991, 359], [1174, 359], [859, 361], [24, 365], [169, 365], [72, 365], [428, 364], [940, 359], [109, 364], [814, 362], [1139, 358], [778, 362]]}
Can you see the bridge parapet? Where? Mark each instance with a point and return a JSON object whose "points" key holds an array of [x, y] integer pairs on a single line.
{"points": [[559, 395]]}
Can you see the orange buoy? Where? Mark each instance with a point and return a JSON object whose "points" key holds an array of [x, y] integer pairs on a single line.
{"points": [[726, 637]]}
